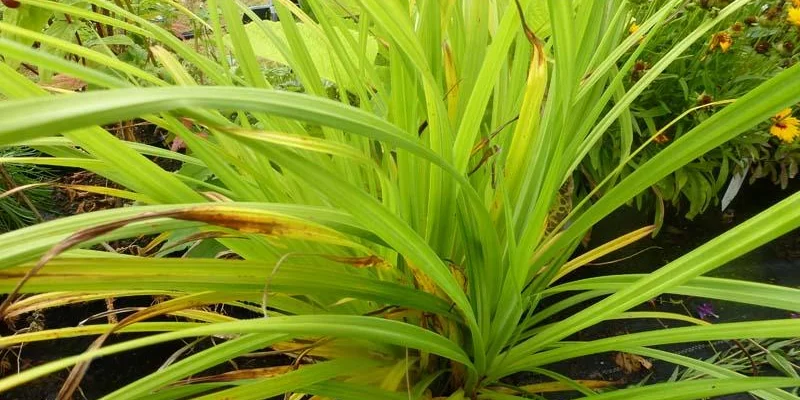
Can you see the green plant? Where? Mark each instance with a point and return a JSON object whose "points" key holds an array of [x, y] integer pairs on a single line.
{"points": [[22, 208], [398, 235], [759, 42], [751, 357]]}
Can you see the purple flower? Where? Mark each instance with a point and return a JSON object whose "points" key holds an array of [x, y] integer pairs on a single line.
{"points": [[706, 310], [794, 315]]}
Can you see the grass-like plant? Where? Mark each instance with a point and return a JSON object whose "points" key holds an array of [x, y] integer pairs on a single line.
{"points": [[403, 241], [22, 208]]}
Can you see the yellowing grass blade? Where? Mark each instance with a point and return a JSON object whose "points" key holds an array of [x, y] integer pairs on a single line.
{"points": [[603, 250]]}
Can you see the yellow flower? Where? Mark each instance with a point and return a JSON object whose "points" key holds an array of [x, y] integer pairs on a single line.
{"points": [[784, 126], [725, 43], [722, 40], [794, 15], [635, 28], [796, 3]]}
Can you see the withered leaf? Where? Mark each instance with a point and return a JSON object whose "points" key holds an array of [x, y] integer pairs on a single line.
{"points": [[361, 262], [65, 82], [631, 363], [254, 373], [178, 28]]}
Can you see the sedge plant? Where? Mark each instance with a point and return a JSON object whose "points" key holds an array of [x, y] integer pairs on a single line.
{"points": [[397, 236]]}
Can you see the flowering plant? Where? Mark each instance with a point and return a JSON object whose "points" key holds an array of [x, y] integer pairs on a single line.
{"points": [[754, 44]]}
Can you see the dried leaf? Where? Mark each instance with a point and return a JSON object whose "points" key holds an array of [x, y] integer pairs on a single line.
{"points": [[361, 262], [548, 387], [255, 373], [631, 363], [178, 28], [65, 82], [425, 283], [177, 144], [459, 275]]}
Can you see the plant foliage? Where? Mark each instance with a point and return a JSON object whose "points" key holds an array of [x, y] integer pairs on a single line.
{"points": [[401, 233]]}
